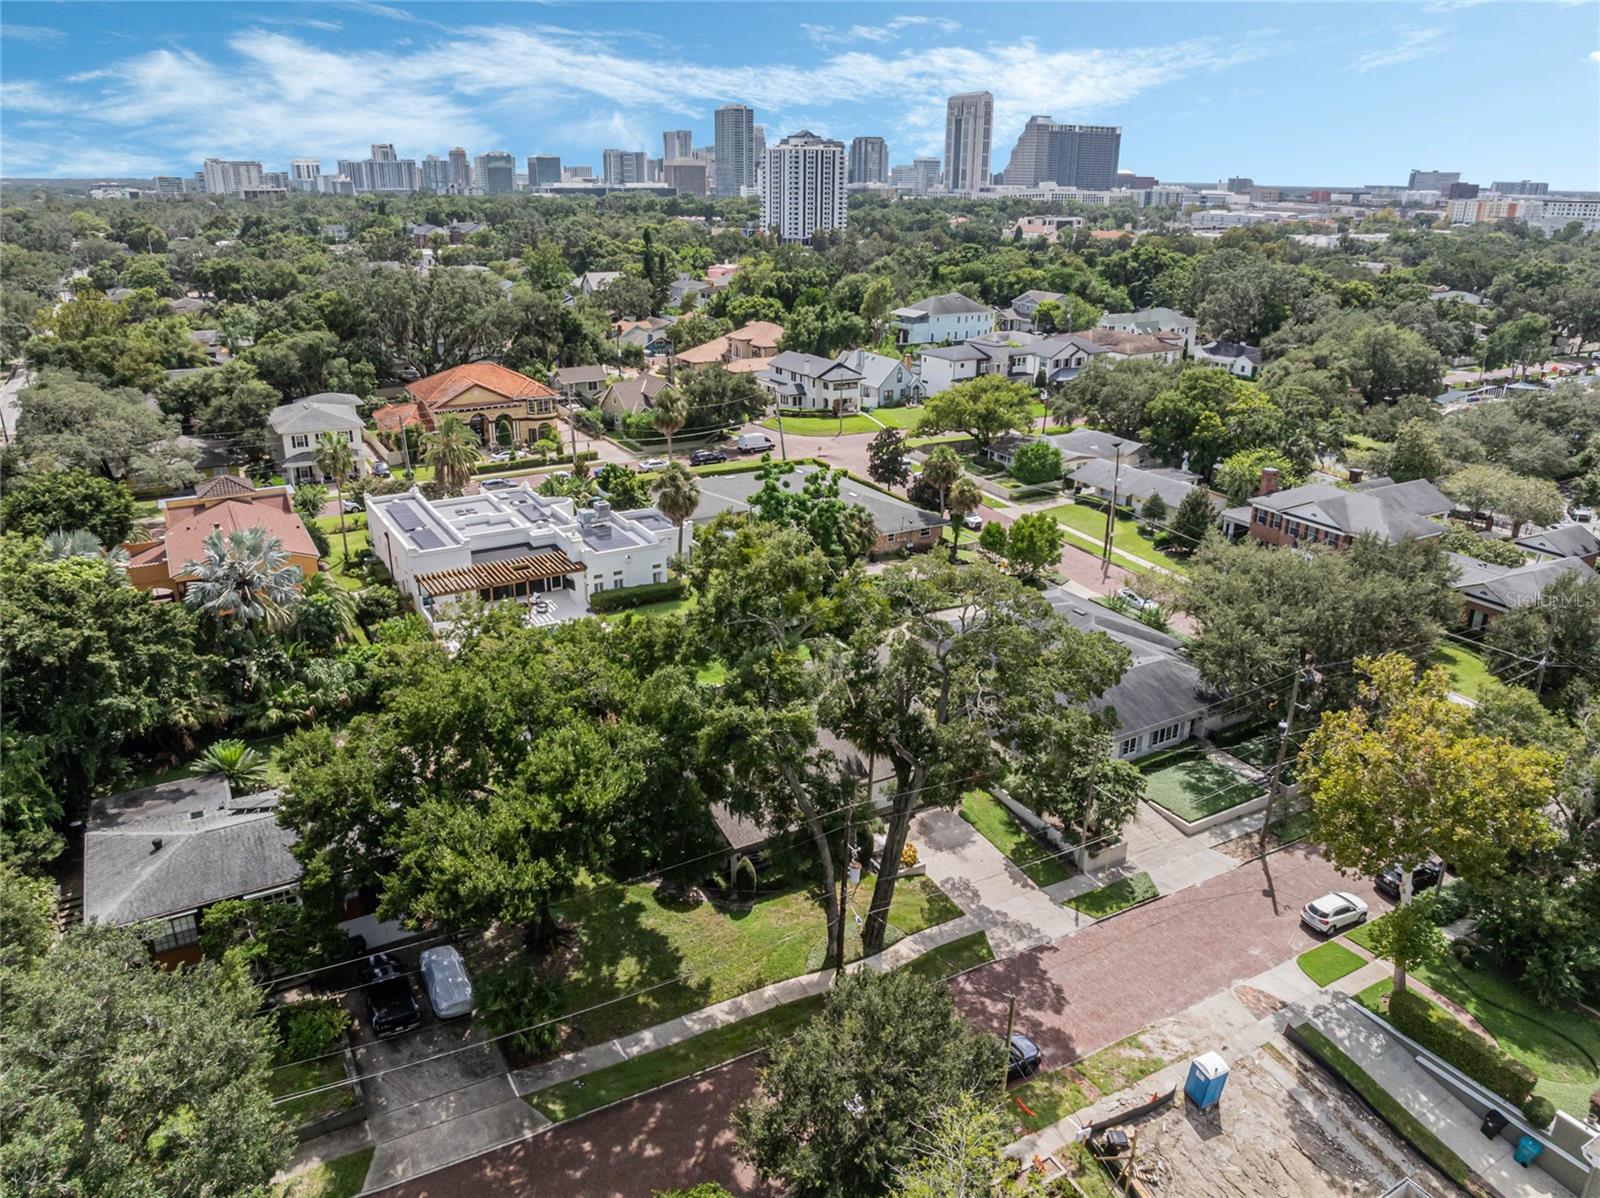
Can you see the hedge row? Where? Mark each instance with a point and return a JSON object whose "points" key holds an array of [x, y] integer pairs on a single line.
{"points": [[1440, 1032], [587, 455], [626, 597]]}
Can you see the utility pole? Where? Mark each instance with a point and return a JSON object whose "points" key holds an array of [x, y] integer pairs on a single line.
{"points": [[1544, 658], [1111, 515], [405, 447], [783, 448], [1011, 1026], [1285, 731]]}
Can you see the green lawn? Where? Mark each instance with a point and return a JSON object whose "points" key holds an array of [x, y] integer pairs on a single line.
{"points": [[1125, 534], [307, 1075], [1192, 786], [1061, 1092], [1468, 671], [1362, 935], [902, 418], [1375, 996], [356, 530], [1327, 963], [997, 825], [822, 426], [648, 1070], [629, 938], [1393, 1113], [342, 1177], [937, 439], [1295, 826], [1114, 896]]}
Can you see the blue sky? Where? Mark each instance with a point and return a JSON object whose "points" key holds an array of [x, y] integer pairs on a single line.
{"points": [[1353, 93]]}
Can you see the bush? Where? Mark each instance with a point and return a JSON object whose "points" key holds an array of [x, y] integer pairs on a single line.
{"points": [[626, 597], [1450, 903], [1594, 1106], [517, 1002], [587, 455], [993, 538], [1441, 1033], [1036, 462], [310, 1029], [1539, 1111], [908, 856]]}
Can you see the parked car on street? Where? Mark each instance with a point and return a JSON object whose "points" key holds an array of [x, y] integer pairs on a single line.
{"points": [[1334, 912], [972, 522], [1135, 600], [350, 505], [1025, 1058], [496, 484], [755, 443], [653, 464], [445, 978], [381, 469], [391, 1006], [707, 457], [1424, 876]]}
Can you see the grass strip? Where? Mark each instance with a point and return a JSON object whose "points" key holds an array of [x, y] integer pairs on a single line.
{"points": [[1327, 963], [1115, 896], [1061, 1092], [342, 1177], [999, 827]]}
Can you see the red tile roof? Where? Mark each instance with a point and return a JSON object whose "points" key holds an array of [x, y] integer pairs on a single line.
{"points": [[439, 389], [185, 541], [393, 417]]}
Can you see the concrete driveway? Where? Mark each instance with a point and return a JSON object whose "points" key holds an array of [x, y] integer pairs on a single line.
{"points": [[438, 1111]]}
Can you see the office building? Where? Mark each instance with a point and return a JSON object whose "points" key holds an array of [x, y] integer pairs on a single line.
{"points": [[652, 169], [303, 173], [1241, 185], [275, 180], [1083, 156], [1439, 181], [869, 160], [736, 162], [169, 185], [577, 172], [688, 176], [383, 152], [335, 185], [435, 174], [1521, 187], [544, 170], [231, 178], [623, 166], [677, 143], [1462, 191], [497, 173], [968, 127], [460, 172], [920, 175], [381, 174], [803, 186]]}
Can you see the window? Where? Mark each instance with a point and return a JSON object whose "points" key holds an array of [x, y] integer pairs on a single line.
{"points": [[299, 441], [1165, 736], [1128, 747], [178, 932], [657, 574]]}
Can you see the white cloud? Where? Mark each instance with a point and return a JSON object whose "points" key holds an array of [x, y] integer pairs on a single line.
{"points": [[1408, 46], [1451, 5], [885, 31], [30, 33], [1594, 55]]}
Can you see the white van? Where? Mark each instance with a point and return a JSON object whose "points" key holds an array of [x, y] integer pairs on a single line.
{"points": [[755, 443]]}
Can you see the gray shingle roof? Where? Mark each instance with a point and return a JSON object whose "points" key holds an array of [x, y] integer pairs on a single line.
{"points": [[212, 847], [732, 492], [948, 304], [1523, 585], [874, 369], [1352, 512], [1572, 540], [1133, 483], [313, 416], [809, 365], [1092, 442]]}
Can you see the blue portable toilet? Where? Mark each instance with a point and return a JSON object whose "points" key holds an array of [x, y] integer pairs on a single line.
{"points": [[1208, 1073], [1527, 1149]]}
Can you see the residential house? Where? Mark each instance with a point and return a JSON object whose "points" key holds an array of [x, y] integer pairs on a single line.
{"points": [[1030, 228], [1120, 345], [1077, 447], [885, 382], [943, 366], [1235, 357], [595, 280], [215, 455], [516, 544], [1569, 541], [902, 527], [295, 429], [942, 319], [811, 383], [743, 351], [501, 406], [584, 384], [649, 334], [1326, 514], [1059, 357], [161, 855], [1487, 590], [682, 287], [637, 394], [1151, 321], [1019, 317], [226, 503], [1133, 486]]}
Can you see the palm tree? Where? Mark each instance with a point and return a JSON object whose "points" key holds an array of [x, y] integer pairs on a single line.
{"points": [[342, 602], [242, 766], [452, 448], [669, 412], [677, 495], [965, 498], [336, 459], [245, 574], [940, 471], [80, 542]]}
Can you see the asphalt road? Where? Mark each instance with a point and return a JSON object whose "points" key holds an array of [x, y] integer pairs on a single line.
{"points": [[1075, 996]]}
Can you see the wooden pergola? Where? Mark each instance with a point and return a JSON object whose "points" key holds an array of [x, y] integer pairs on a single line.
{"points": [[485, 576]]}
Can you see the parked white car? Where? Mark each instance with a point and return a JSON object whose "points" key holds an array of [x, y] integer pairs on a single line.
{"points": [[1135, 600], [445, 978], [1334, 912]]}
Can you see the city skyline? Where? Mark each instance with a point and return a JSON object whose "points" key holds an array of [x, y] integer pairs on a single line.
{"points": [[122, 90]]}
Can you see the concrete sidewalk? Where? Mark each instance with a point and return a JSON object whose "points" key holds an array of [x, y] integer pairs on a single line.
{"points": [[729, 1011]]}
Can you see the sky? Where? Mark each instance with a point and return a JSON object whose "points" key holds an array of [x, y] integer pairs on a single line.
{"points": [[1293, 93]]}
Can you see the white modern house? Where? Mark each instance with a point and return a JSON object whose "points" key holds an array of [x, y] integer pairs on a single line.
{"points": [[515, 544], [884, 380], [1233, 356], [940, 319], [812, 383], [1059, 357], [293, 430], [943, 366], [1151, 321]]}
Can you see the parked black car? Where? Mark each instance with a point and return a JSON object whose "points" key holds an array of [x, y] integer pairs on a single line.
{"points": [[705, 457], [1025, 1058], [1423, 876], [391, 1006]]}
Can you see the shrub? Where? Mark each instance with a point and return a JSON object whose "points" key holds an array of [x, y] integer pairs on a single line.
{"points": [[1036, 462], [1539, 1111], [587, 455], [517, 1002], [310, 1029], [1450, 903], [1440, 1032], [626, 597], [993, 538], [908, 856]]}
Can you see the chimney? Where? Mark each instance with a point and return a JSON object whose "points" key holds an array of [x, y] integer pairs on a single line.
{"points": [[1269, 480], [155, 844], [1356, 475]]}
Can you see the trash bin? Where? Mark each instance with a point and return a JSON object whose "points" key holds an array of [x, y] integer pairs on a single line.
{"points": [[1527, 1149], [1493, 1124]]}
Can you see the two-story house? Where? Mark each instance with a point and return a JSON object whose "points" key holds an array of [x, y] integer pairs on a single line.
{"points": [[940, 319], [1060, 358], [294, 430], [1152, 321], [501, 406], [885, 381], [1235, 357], [585, 384], [1019, 317], [811, 383], [745, 350]]}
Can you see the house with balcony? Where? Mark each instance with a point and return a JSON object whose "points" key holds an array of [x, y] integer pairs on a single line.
{"points": [[811, 383], [1020, 316], [942, 319], [1152, 322], [294, 430], [516, 545], [743, 351], [1060, 358], [885, 381]]}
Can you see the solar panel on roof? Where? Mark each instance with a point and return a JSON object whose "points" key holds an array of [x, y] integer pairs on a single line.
{"points": [[407, 517], [426, 538]]}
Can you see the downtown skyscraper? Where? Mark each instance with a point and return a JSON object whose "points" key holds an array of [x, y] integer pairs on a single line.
{"points": [[968, 126], [1082, 156], [736, 148], [802, 186], [869, 160]]}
